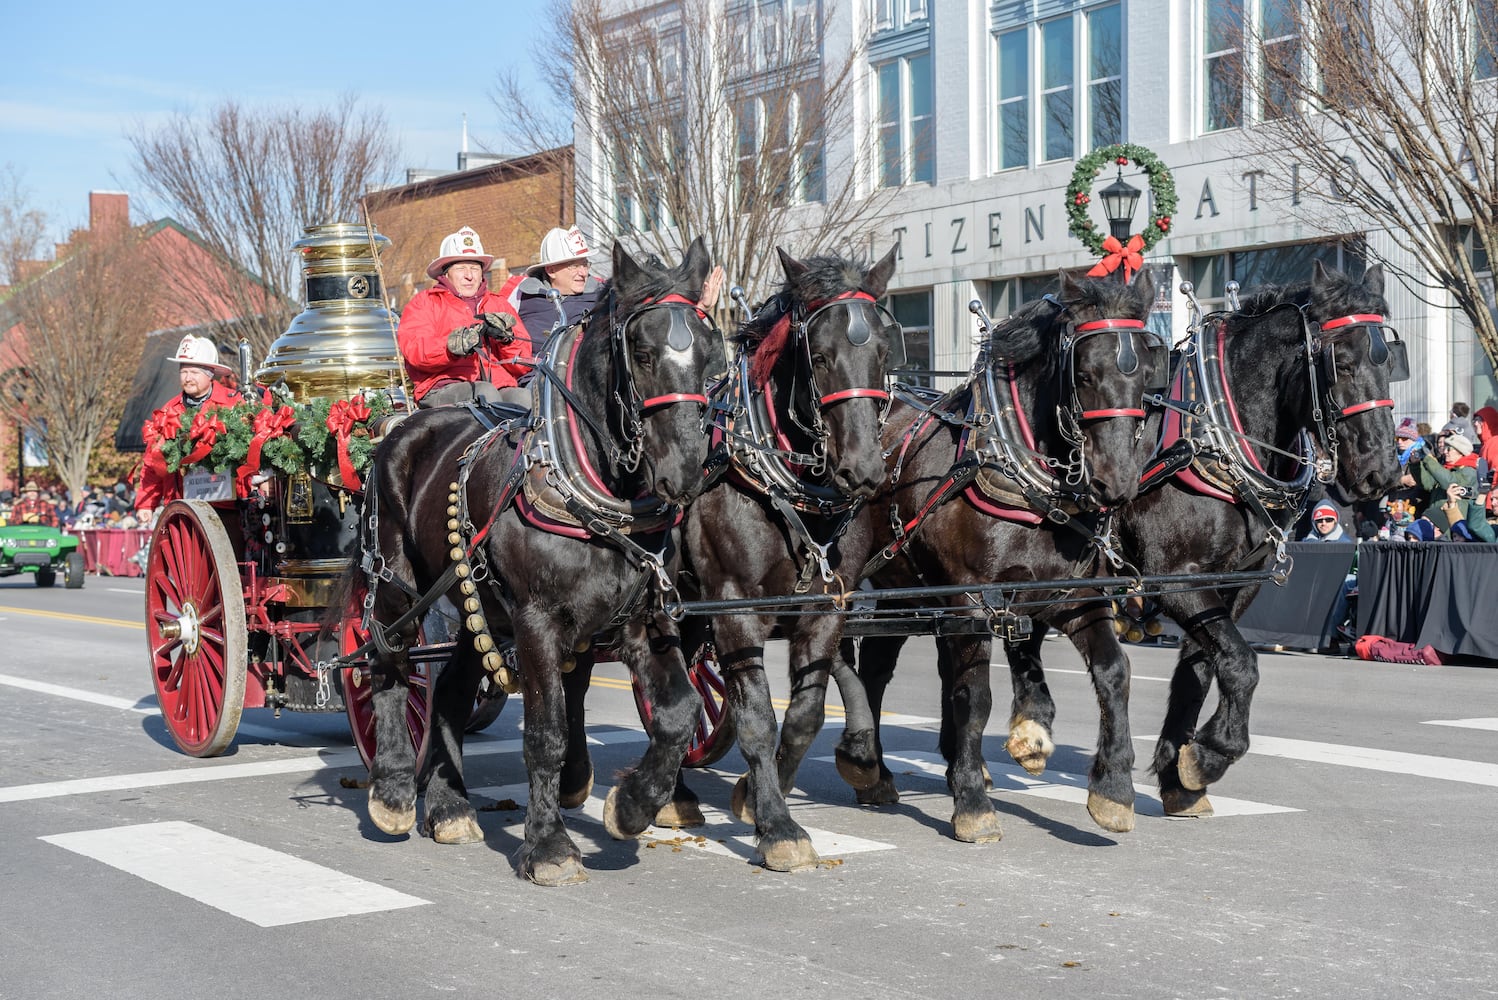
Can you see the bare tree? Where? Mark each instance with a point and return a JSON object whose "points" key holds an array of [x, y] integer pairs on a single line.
{"points": [[22, 226], [61, 370], [248, 182], [700, 118], [1393, 108]]}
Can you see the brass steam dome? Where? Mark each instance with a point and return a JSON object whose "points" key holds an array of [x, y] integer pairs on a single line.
{"points": [[343, 343]]}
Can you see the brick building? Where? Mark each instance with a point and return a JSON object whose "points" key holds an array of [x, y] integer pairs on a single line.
{"points": [[510, 204]]}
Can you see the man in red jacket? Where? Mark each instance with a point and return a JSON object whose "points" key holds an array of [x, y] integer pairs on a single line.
{"points": [[456, 337], [198, 369]]}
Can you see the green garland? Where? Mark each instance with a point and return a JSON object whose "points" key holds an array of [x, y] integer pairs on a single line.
{"points": [[308, 446], [1079, 193]]}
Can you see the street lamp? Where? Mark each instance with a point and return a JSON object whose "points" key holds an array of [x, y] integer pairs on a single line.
{"points": [[1119, 200], [13, 381]]}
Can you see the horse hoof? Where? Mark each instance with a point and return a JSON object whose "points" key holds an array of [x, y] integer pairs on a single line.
{"points": [[739, 803], [980, 829], [789, 855], [392, 821], [858, 774], [1190, 767], [611, 817], [1030, 746], [554, 873], [1186, 803], [1115, 817], [883, 793], [458, 830], [571, 800], [680, 814]]}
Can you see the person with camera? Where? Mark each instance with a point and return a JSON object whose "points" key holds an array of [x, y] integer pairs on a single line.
{"points": [[457, 337], [1448, 478]]}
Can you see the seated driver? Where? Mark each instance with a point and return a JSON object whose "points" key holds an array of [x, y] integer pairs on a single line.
{"points": [[32, 509]]}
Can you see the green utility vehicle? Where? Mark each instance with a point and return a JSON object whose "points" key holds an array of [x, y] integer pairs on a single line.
{"points": [[43, 550]]}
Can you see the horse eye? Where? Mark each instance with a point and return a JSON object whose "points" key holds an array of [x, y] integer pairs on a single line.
{"points": [[820, 360]]}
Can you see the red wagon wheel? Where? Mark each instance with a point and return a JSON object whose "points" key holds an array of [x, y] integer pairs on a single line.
{"points": [[195, 628], [715, 731], [357, 689]]}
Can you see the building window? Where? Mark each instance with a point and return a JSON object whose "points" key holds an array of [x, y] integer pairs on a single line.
{"points": [[1286, 265], [1074, 64], [895, 15], [780, 133], [913, 312], [1006, 295], [1485, 39], [1234, 72], [906, 121]]}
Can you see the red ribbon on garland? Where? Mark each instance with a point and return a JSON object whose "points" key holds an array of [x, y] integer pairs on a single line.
{"points": [[204, 432], [1129, 256], [342, 416], [268, 424]]}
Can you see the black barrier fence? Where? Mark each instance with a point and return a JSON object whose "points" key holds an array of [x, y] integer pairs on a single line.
{"points": [[1441, 594]]}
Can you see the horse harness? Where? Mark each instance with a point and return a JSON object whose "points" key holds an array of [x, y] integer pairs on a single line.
{"points": [[997, 458], [1203, 443], [550, 474]]}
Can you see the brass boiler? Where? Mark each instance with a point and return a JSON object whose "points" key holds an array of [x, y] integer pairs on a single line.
{"points": [[340, 346], [343, 343]]}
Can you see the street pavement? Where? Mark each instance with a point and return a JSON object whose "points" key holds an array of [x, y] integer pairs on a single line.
{"points": [[1352, 854]]}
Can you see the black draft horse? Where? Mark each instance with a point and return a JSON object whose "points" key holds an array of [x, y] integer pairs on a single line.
{"points": [[1076, 372], [783, 518], [630, 410], [1299, 374]]}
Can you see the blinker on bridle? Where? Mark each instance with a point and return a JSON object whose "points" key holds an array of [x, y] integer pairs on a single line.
{"points": [[860, 333], [1380, 353]]}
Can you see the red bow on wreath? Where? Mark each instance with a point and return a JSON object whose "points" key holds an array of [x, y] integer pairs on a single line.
{"points": [[342, 416], [204, 432], [162, 426], [268, 424], [1118, 253]]}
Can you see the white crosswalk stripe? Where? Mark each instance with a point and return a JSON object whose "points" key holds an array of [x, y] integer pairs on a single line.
{"points": [[722, 835], [245, 880]]}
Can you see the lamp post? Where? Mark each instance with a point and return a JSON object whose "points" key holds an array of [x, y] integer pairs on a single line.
{"points": [[18, 393], [1119, 201]]}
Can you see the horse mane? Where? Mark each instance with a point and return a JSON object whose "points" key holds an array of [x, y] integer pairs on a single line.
{"points": [[826, 277]]}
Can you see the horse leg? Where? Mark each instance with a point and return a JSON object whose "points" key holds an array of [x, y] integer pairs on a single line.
{"points": [[577, 767], [653, 653], [547, 856], [450, 817], [759, 796], [1110, 781], [685, 808], [1032, 712], [877, 656], [857, 760], [966, 678], [392, 772], [1224, 739]]}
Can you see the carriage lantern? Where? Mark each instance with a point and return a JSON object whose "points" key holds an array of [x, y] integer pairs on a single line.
{"points": [[343, 342], [1119, 201]]}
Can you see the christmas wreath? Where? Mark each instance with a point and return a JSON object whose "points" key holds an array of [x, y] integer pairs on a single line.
{"points": [[1079, 194], [288, 437]]}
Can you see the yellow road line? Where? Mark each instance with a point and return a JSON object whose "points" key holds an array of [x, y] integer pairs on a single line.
{"points": [[122, 623]]}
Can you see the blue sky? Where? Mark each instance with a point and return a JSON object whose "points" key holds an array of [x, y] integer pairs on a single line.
{"points": [[75, 77]]}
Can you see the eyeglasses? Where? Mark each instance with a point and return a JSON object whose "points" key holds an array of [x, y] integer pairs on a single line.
{"points": [[1326, 520]]}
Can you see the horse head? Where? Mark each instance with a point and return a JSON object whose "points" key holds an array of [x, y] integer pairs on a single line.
{"points": [[1109, 361], [660, 350], [1353, 357], [825, 344]]}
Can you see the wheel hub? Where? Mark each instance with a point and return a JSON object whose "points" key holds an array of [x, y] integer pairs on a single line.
{"points": [[185, 629]]}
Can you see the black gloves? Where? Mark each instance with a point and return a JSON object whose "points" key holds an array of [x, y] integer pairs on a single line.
{"points": [[464, 340], [499, 327]]}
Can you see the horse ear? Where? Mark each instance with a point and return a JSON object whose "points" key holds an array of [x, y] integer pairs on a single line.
{"points": [[877, 280], [697, 263], [1070, 290], [1373, 279], [1144, 287], [626, 271], [792, 267], [1319, 273]]}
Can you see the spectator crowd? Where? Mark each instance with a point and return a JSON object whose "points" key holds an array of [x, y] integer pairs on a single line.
{"points": [[95, 506]]}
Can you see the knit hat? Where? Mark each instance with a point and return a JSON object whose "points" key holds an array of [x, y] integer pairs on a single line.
{"points": [[1406, 430], [462, 245], [1324, 510], [1459, 444], [1489, 417], [1420, 530]]}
